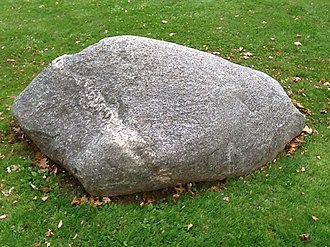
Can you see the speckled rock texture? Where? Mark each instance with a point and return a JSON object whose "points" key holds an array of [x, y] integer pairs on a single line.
{"points": [[131, 114]]}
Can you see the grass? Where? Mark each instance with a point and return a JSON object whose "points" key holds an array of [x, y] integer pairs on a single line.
{"points": [[269, 207]]}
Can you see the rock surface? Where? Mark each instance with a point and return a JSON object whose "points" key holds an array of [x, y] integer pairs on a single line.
{"points": [[131, 114]]}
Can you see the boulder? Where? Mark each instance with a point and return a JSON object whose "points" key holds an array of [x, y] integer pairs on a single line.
{"points": [[131, 114]]}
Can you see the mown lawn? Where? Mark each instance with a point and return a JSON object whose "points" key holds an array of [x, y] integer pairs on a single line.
{"points": [[286, 203]]}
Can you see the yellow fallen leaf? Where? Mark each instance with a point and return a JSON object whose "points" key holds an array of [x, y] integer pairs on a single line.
{"points": [[315, 218]]}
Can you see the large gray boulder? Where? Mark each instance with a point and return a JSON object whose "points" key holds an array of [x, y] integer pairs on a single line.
{"points": [[131, 114]]}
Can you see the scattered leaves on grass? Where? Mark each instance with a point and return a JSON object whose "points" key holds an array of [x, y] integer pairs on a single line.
{"points": [[94, 201], [315, 218], [2, 217], [49, 233], [301, 107], [292, 146], [304, 237]]}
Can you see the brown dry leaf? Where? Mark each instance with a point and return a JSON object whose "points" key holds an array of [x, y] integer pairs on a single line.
{"points": [[175, 197], [315, 218], [296, 79], [226, 199], [189, 227], [75, 201], [304, 237], [215, 188], [36, 244], [83, 200], [2, 217], [292, 146], [301, 107], [49, 233], [307, 130], [44, 198], [45, 189], [298, 35], [180, 188], [42, 163], [106, 199], [98, 203]]}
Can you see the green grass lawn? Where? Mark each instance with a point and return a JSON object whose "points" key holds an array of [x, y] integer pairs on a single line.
{"points": [[273, 206]]}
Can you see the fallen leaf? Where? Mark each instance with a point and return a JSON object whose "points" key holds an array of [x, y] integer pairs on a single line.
{"points": [[175, 197], [296, 79], [307, 130], [315, 218], [49, 233], [293, 145], [172, 34], [75, 201], [215, 188], [323, 111], [36, 244], [45, 189], [164, 21], [60, 224], [2, 217], [226, 199], [180, 188], [83, 200], [10, 60], [297, 43], [301, 107], [44, 198], [298, 35], [189, 226], [304, 237]]}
